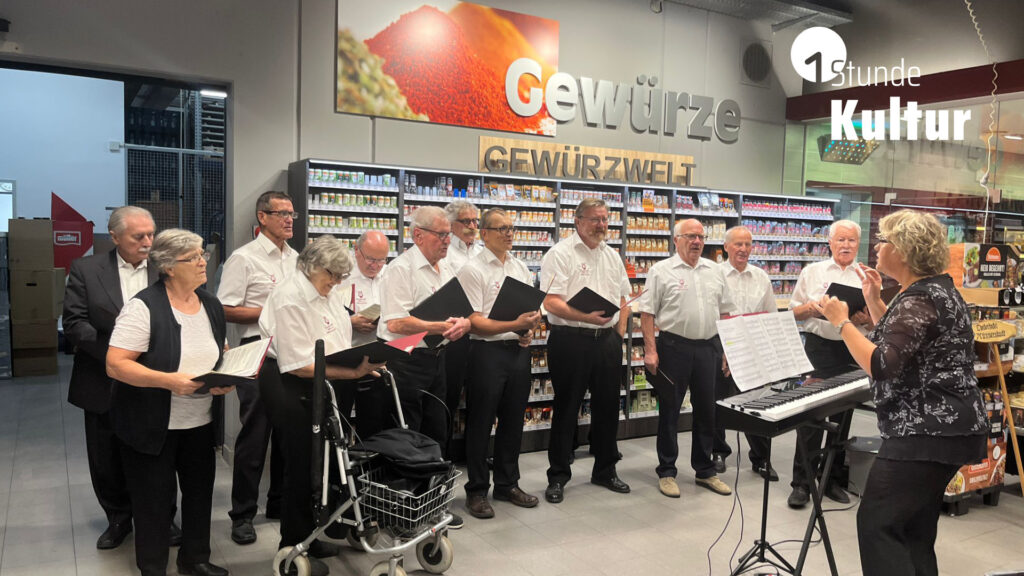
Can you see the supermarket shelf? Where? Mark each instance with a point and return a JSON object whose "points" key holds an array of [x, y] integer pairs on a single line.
{"points": [[785, 216], [992, 371], [538, 370], [342, 208], [649, 254], [353, 231], [566, 202], [479, 201], [534, 244], [781, 277], [632, 210], [646, 232], [708, 213], [349, 186], [793, 239], [524, 224], [766, 257]]}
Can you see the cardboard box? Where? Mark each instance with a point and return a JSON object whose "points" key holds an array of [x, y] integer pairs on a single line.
{"points": [[987, 473], [36, 294], [41, 334], [30, 244], [34, 362]]}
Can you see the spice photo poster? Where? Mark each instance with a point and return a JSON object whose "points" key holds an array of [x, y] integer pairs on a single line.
{"points": [[443, 62]]}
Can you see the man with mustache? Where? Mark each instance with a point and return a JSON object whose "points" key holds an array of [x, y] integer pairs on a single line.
{"points": [[584, 349], [824, 346]]}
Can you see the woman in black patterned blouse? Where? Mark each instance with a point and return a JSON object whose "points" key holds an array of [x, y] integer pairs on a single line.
{"points": [[920, 357]]}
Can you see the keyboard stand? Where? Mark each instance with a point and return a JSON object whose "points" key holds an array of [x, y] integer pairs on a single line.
{"points": [[758, 554], [834, 443]]}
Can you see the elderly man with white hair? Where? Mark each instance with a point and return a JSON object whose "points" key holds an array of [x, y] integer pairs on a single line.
{"points": [[823, 344], [410, 279]]}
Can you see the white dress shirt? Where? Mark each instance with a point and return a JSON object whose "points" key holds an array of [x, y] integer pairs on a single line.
{"points": [[133, 278], [482, 278], [750, 290], [811, 286], [296, 315], [409, 280], [686, 300], [459, 253], [251, 274], [359, 292], [569, 266]]}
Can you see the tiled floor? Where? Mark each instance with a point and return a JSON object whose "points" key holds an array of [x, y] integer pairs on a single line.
{"points": [[49, 519]]}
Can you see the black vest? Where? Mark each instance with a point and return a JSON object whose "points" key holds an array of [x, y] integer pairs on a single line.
{"points": [[140, 415]]}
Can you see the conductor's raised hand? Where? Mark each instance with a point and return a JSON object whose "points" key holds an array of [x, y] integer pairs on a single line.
{"points": [[181, 384], [870, 282], [459, 328], [833, 309]]}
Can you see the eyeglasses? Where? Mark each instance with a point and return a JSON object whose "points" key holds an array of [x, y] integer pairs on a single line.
{"points": [[469, 221], [335, 277], [195, 258], [442, 236], [503, 229], [282, 213], [371, 260], [881, 239], [691, 237], [596, 220]]}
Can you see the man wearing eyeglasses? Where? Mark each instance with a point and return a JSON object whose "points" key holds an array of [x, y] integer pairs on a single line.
{"points": [[464, 218], [409, 280], [499, 383], [825, 347], [584, 349], [686, 295], [361, 291], [249, 276]]}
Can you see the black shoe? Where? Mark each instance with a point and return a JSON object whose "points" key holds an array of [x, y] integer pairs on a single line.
{"points": [[572, 457], [613, 483], [478, 506], [201, 569], [321, 549], [837, 494], [719, 461], [273, 511], [618, 455], [113, 536], [555, 492], [799, 497], [242, 532], [763, 469], [176, 535], [457, 522]]}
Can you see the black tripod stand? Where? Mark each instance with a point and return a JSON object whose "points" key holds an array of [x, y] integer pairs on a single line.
{"points": [[759, 553]]}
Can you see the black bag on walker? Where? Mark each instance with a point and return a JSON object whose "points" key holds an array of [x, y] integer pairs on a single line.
{"points": [[413, 460]]}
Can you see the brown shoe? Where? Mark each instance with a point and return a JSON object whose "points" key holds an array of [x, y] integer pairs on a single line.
{"points": [[516, 496], [479, 507]]}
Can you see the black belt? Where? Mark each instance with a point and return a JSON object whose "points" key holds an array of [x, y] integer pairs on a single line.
{"points": [[594, 333], [248, 339], [671, 338], [514, 343], [429, 352]]}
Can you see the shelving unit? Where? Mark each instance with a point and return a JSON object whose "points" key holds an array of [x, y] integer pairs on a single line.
{"points": [[344, 199]]}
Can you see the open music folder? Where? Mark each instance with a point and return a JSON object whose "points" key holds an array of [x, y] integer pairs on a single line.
{"points": [[238, 366], [763, 348], [448, 302]]}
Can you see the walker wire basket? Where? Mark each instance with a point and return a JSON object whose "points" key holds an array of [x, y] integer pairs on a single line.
{"points": [[403, 513]]}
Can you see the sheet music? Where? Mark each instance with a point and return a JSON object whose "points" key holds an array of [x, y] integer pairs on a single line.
{"points": [[763, 348], [371, 313], [244, 360]]}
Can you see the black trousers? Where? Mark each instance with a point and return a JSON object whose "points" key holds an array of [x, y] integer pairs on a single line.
{"points": [[828, 356], [419, 377], [151, 480], [375, 407], [899, 515], [725, 387], [251, 453], [456, 372], [289, 403], [689, 364], [577, 362], [107, 470], [498, 386]]}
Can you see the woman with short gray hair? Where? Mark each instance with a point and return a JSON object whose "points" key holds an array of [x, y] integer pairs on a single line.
{"points": [[166, 336], [304, 309]]}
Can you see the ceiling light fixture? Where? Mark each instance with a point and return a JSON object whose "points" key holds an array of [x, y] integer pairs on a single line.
{"points": [[213, 93], [845, 151]]}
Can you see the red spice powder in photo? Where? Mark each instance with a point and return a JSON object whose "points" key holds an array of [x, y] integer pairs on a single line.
{"points": [[440, 76]]}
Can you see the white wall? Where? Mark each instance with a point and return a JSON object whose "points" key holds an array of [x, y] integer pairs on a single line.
{"points": [[56, 135], [689, 50]]}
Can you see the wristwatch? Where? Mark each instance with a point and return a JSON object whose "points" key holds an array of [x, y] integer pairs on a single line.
{"points": [[843, 323]]}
